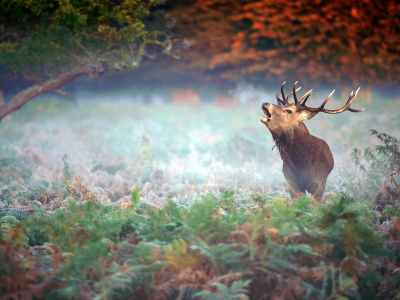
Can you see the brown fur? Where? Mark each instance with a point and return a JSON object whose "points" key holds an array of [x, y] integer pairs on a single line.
{"points": [[307, 160]]}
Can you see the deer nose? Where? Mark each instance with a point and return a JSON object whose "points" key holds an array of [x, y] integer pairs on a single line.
{"points": [[265, 104]]}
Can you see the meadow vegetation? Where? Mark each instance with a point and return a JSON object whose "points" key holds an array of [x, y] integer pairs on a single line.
{"points": [[127, 201]]}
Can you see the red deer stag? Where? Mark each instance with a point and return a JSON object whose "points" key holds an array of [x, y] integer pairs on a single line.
{"points": [[307, 160]]}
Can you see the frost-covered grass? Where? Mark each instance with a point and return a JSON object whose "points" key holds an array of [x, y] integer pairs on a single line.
{"points": [[171, 152]]}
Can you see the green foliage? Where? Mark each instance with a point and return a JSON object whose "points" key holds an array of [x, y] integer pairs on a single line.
{"points": [[383, 159], [113, 252], [135, 197], [9, 219], [389, 212], [218, 225], [84, 258], [66, 168], [6, 197], [40, 38], [348, 225], [13, 212], [342, 286], [236, 291]]}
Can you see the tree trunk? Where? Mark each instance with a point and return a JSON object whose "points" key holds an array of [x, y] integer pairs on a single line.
{"points": [[24, 96]]}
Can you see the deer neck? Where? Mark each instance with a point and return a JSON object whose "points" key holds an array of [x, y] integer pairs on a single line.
{"points": [[293, 144]]}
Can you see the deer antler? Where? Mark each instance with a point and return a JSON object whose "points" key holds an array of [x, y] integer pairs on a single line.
{"points": [[332, 111], [286, 100], [304, 97], [280, 101]]}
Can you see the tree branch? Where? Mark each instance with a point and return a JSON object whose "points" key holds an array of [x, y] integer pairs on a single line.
{"points": [[31, 78], [140, 53], [51, 84], [39, 82], [167, 44], [61, 92], [92, 67]]}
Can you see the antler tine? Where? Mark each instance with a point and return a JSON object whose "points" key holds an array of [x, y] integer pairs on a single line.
{"points": [[294, 93], [305, 100], [305, 97], [351, 96], [280, 102], [285, 100], [355, 110], [291, 93]]}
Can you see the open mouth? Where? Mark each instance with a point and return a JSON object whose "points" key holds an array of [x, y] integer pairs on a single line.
{"points": [[266, 112], [267, 115]]}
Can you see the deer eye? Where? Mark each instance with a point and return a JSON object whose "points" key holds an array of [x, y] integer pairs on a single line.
{"points": [[288, 111]]}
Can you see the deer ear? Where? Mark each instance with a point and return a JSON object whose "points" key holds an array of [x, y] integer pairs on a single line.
{"points": [[307, 115]]}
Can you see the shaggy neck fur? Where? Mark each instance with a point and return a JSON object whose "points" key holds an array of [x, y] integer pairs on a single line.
{"points": [[294, 145]]}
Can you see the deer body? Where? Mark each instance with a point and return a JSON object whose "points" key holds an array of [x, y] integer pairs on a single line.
{"points": [[307, 160]]}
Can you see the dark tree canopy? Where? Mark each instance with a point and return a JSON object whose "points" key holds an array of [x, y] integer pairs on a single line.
{"points": [[320, 41], [53, 42]]}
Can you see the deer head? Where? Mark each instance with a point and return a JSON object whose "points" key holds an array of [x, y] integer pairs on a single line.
{"points": [[285, 116]]}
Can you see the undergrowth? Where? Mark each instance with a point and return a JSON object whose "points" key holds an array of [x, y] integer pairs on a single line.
{"points": [[382, 173], [213, 249]]}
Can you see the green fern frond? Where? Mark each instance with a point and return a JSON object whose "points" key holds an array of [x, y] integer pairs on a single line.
{"points": [[237, 290], [135, 197]]}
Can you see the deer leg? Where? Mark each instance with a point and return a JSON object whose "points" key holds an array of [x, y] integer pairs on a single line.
{"points": [[317, 189], [294, 191]]}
